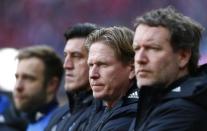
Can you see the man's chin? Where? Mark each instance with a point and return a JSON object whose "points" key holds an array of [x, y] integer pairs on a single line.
{"points": [[22, 108], [150, 85], [76, 87], [143, 84], [71, 88], [98, 95]]}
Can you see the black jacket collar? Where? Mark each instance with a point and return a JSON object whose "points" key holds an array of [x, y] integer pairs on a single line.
{"points": [[44, 110], [78, 99]]}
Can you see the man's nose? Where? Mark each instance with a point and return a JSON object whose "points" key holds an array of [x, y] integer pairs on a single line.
{"points": [[140, 57], [68, 63], [19, 86], [94, 72]]}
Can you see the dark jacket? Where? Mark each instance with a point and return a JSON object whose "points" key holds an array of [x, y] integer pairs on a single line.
{"points": [[71, 117], [10, 118], [14, 120], [180, 107], [117, 118]]}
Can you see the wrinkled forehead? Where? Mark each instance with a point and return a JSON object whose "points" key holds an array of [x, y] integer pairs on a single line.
{"points": [[100, 51], [75, 45], [145, 33]]}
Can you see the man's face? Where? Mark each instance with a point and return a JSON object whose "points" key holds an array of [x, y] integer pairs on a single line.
{"points": [[29, 93], [109, 78], [155, 61], [75, 65]]}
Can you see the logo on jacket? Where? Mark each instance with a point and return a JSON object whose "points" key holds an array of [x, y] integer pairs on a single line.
{"points": [[133, 95], [177, 89]]}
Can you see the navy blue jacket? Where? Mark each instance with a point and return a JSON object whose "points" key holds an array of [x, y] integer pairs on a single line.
{"points": [[117, 118], [180, 107], [72, 117]]}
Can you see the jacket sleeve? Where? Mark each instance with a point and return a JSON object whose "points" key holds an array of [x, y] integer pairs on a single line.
{"points": [[179, 115]]}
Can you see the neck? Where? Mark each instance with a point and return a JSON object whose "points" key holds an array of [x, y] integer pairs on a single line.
{"points": [[179, 75], [109, 104]]}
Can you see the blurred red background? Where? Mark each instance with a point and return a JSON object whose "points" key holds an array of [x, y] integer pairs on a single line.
{"points": [[30, 22]]}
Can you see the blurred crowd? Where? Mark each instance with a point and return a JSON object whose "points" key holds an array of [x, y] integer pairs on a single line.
{"points": [[28, 22]]}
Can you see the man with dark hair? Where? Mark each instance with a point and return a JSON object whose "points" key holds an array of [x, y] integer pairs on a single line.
{"points": [[38, 76], [112, 79], [166, 45], [72, 116]]}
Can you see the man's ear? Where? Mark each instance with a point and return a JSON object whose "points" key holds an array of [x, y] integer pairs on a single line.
{"points": [[132, 71], [184, 57]]}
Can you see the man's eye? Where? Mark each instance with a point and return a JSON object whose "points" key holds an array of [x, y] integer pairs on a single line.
{"points": [[136, 48], [30, 78], [65, 54], [90, 64], [155, 48], [102, 64], [76, 55]]}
